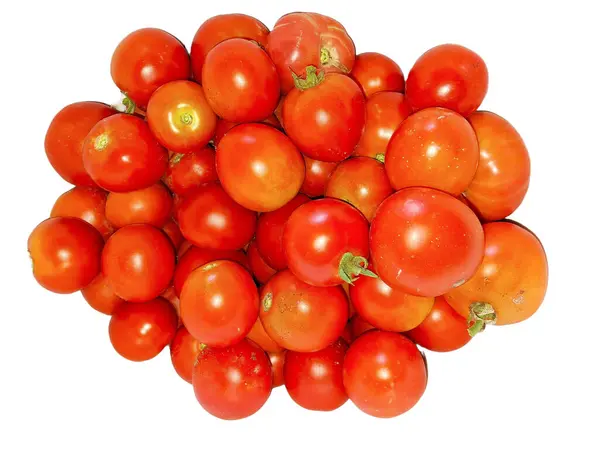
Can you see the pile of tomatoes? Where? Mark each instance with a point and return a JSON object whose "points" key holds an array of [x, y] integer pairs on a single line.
{"points": [[279, 210]]}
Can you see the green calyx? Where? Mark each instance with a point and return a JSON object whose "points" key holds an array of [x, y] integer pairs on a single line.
{"points": [[129, 104], [380, 157], [480, 315], [313, 78], [351, 267]]}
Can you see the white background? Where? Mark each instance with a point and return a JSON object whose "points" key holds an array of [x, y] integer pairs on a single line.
{"points": [[525, 386]]}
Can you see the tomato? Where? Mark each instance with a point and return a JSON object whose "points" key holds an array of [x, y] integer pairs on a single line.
{"points": [[223, 126], [65, 136], [185, 246], [180, 117], [234, 382], [449, 76], [278, 113], [220, 28], [385, 113], [171, 229], [269, 232], [326, 242], [87, 204], [317, 174], [145, 60], [510, 284], [121, 154], [301, 317], [65, 254], [358, 326], [208, 217], [425, 242], [101, 296], [258, 266], [434, 148], [151, 205], [138, 261], [443, 330], [259, 167], [502, 177], [314, 380], [170, 296], [375, 73], [185, 349], [259, 336], [240, 81], [139, 331], [277, 363], [325, 115], [219, 303], [188, 171], [384, 374], [302, 39], [347, 333], [362, 182]]}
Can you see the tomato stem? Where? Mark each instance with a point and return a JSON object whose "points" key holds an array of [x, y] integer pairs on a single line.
{"points": [[480, 315], [351, 267], [131, 107], [380, 157], [312, 78]]}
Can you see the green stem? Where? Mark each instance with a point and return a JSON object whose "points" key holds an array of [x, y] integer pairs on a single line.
{"points": [[351, 267], [480, 315], [312, 78], [380, 157]]}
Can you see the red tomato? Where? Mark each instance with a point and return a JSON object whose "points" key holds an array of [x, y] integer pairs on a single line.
{"points": [[301, 317], [240, 81], [325, 115], [317, 175], [185, 349], [434, 148], [326, 242], [138, 261], [259, 336], [362, 182], [277, 363], [302, 39], [139, 331], [258, 266], [188, 171], [180, 117], [502, 177], [65, 136], [171, 229], [151, 205], [184, 248], [278, 113], [347, 334], [375, 72], [145, 60], [65, 254], [208, 217], [219, 303], [171, 297], [223, 126], [121, 154], [449, 76], [101, 296], [384, 374], [425, 242], [259, 167], [234, 382], [358, 326]]}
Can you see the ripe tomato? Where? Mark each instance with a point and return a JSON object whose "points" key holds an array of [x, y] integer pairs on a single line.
{"points": [[502, 177], [259, 336], [449, 76], [234, 382], [259, 167], [260, 269], [138, 261], [223, 126], [325, 115], [375, 72], [151, 205], [384, 374], [185, 349], [301, 39], [347, 333], [139, 331], [121, 154], [317, 174], [65, 254], [188, 171], [170, 296], [171, 229], [185, 246], [362, 182], [358, 326], [301, 317], [425, 242], [145, 60], [101, 296], [219, 303], [240, 81], [326, 242], [434, 148], [65, 136], [277, 363]]}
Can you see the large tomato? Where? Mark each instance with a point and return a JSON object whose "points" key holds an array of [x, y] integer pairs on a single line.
{"points": [[101, 296], [151, 205], [375, 72], [185, 349], [188, 171], [316, 176]]}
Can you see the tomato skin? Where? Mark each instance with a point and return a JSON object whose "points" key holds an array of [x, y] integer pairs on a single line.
{"points": [[145, 60], [65, 136], [65, 254], [384, 374], [140, 331], [277, 364], [259, 336], [375, 73], [101, 296], [358, 326], [171, 229], [151, 205], [449, 76], [185, 349], [191, 170], [260, 269], [314, 380], [316, 176], [121, 154], [424, 242]]}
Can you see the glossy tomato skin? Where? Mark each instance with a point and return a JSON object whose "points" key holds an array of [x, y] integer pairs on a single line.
{"points": [[425, 242], [65, 136], [259, 336], [151, 205], [101, 296], [185, 349], [138, 261], [449, 76], [277, 364], [145, 60], [316, 176], [258, 266], [375, 72], [358, 326], [223, 126], [65, 254], [191, 170], [384, 374], [171, 229], [121, 154]]}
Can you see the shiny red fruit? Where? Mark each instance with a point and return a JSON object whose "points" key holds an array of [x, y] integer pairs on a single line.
{"points": [[375, 72]]}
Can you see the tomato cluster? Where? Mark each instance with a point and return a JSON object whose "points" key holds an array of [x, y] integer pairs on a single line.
{"points": [[282, 211]]}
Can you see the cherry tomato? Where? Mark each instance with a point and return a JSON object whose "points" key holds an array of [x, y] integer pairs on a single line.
{"points": [[425, 242], [301, 317], [185, 349], [171, 229], [170, 296], [277, 363], [449, 76], [358, 326], [151, 205], [65, 254], [223, 126], [188, 171], [384, 374], [260, 269], [139, 331], [65, 136], [101, 296], [184, 248], [259, 336], [138, 261], [375, 73], [317, 175]]}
